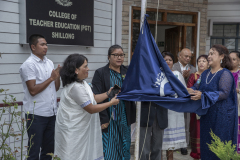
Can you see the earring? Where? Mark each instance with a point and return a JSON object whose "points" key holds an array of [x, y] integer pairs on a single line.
{"points": [[221, 61], [77, 73]]}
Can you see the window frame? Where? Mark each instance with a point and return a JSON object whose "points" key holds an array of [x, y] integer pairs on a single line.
{"points": [[225, 37]]}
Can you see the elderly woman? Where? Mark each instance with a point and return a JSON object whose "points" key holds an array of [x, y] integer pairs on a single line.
{"points": [[202, 63], [77, 129], [218, 93], [115, 120], [174, 135], [235, 57]]}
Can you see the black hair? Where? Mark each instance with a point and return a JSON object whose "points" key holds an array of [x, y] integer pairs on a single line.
{"points": [[113, 48], [222, 50], [67, 72], [33, 39], [202, 56], [237, 53], [164, 54]]}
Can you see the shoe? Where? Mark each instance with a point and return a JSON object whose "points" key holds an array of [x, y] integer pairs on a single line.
{"points": [[184, 151]]}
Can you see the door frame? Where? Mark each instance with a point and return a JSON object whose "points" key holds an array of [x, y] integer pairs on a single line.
{"points": [[164, 21]]}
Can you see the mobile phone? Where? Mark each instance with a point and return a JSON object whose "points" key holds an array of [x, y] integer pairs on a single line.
{"points": [[114, 91]]}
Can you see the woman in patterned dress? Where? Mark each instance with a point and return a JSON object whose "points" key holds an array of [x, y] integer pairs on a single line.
{"points": [[174, 136], [202, 63], [116, 120], [217, 92], [235, 57]]}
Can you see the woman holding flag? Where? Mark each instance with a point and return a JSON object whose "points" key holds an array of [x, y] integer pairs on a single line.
{"points": [[218, 94], [116, 120]]}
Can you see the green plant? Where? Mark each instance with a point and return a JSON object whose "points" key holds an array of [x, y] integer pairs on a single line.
{"points": [[54, 157], [7, 130], [223, 150]]}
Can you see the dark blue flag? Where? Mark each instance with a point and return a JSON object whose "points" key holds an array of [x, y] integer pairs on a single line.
{"points": [[150, 79]]}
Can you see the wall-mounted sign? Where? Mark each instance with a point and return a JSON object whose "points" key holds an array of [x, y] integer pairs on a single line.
{"points": [[67, 22]]}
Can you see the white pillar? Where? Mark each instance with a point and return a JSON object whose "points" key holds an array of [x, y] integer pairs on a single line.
{"points": [[138, 111]]}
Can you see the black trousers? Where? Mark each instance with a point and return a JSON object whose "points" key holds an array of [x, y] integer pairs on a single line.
{"points": [[41, 135]]}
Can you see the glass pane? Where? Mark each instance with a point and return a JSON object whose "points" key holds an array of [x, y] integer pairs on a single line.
{"points": [[238, 44], [136, 31], [216, 41], [136, 14], [230, 30], [172, 17], [239, 31], [151, 15], [159, 16], [217, 30], [189, 38], [230, 44]]}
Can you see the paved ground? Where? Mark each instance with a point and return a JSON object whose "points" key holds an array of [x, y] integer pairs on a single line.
{"points": [[176, 156]]}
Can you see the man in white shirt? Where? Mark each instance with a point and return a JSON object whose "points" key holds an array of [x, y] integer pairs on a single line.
{"points": [[40, 83], [183, 66]]}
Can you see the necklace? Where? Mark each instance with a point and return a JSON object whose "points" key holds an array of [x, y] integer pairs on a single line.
{"points": [[212, 77]]}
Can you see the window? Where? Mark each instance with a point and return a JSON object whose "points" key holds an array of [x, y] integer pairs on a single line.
{"points": [[227, 35]]}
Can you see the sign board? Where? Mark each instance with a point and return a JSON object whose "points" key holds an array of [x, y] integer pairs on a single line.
{"points": [[65, 22]]}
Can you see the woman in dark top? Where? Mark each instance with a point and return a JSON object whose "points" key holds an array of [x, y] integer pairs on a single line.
{"points": [[116, 120], [218, 94]]}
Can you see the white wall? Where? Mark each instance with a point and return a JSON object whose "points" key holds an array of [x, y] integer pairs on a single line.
{"points": [[13, 54], [222, 10]]}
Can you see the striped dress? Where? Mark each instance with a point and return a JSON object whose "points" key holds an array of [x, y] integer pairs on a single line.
{"points": [[117, 141]]}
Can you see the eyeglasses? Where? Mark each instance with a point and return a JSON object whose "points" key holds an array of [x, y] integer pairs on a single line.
{"points": [[118, 55]]}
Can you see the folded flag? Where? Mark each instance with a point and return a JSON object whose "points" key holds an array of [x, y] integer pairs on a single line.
{"points": [[150, 79]]}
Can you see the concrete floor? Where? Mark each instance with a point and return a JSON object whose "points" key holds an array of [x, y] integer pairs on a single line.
{"points": [[176, 155]]}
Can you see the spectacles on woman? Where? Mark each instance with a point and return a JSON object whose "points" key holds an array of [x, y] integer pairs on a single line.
{"points": [[118, 55]]}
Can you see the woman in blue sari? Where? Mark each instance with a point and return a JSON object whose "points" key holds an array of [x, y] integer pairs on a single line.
{"points": [[216, 89]]}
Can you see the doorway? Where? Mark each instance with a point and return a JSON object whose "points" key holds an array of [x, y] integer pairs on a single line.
{"points": [[176, 30]]}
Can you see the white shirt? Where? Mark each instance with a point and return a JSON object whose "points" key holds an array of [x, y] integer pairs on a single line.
{"points": [[45, 101], [183, 68]]}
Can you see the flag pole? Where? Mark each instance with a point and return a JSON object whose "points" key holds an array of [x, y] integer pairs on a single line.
{"points": [[138, 111]]}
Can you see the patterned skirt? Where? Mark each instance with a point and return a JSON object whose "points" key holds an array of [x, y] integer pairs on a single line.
{"points": [[174, 135], [195, 136], [117, 141]]}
